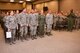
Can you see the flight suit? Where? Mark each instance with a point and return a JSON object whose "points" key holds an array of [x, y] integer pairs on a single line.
{"points": [[71, 21], [41, 24]]}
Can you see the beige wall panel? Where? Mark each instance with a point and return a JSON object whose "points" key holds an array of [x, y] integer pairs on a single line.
{"points": [[39, 6], [53, 5], [28, 6], [66, 5], [12, 6]]}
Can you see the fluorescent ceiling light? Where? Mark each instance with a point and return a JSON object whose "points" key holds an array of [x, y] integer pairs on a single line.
{"points": [[28, 0], [11, 0], [21, 1]]}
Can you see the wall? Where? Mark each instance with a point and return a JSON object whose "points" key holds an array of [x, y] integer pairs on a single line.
{"points": [[66, 5], [10, 6], [39, 6], [53, 5], [28, 6]]}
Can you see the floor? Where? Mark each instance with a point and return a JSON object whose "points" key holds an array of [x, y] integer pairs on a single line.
{"points": [[60, 42]]}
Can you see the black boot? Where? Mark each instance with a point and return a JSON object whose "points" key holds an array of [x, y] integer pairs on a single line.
{"points": [[34, 36], [13, 43], [10, 43], [50, 33], [22, 39], [46, 33]]}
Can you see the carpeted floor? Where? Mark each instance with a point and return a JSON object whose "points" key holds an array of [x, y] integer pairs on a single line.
{"points": [[60, 42]]}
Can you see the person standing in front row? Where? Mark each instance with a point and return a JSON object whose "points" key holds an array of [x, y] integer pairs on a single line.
{"points": [[18, 26], [11, 25], [5, 20], [33, 23], [23, 22], [49, 22], [41, 24]]}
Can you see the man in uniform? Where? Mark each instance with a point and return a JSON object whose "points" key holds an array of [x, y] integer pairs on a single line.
{"points": [[36, 14], [11, 25], [55, 19], [23, 22], [77, 21], [18, 26], [49, 22], [33, 23], [5, 20], [41, 24], [71, 20], [61, 18]]}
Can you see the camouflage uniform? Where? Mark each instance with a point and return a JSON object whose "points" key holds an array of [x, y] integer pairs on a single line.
{"points": [[49, 22], [23, 22], [11, 25], [33, 23]]}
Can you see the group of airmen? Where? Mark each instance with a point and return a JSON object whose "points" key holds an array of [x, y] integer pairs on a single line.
{"points": [[27, 24], [32, 24]]}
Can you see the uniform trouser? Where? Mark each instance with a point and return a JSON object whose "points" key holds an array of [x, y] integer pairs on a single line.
{"points": [[13, 32], [49, 27], [77, 26], [54, 25], [70, 25], [33, 30], [5, 30], [17, 32], [41, 30], [23, 31]]}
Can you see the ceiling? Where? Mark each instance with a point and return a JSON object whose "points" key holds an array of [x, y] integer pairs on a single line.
{"points": [[18, 0], [23, 0], [32, 1]]}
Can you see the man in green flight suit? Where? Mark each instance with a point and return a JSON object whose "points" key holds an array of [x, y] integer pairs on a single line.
{"points": [[71, 20], [41, 24]]}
